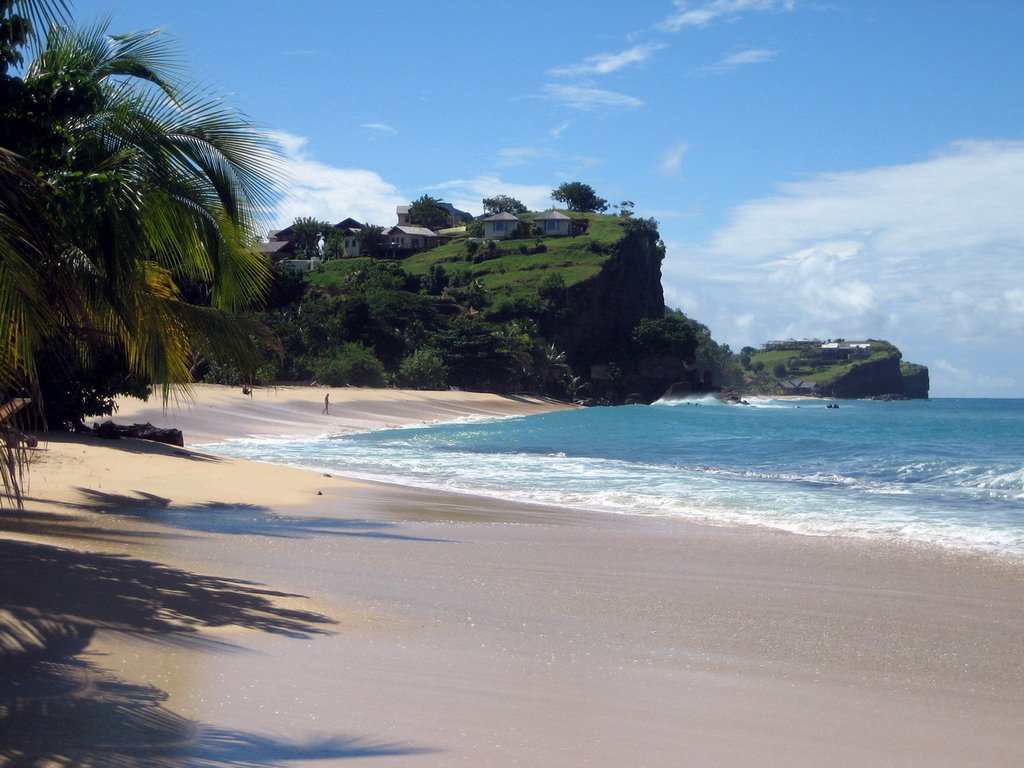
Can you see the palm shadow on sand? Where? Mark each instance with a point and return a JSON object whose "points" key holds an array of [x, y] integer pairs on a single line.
{"points": [[237, 518], [58, 709], [140, 597], [69, 713]]}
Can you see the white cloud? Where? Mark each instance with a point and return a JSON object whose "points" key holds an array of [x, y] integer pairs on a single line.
{"points": [[606, 63], [587, 98], [383, 128], [749, 56], [468, 193], [558, 130], [329, 193], [741, 59], [928, 254], [690, 15], [512, 156], [672, 159]]}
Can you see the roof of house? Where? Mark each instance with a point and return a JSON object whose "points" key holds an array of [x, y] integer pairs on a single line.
{"points": [[274, 246], [552, 214], [420, 231], [503, 216], [349, 223], [793, 384]]}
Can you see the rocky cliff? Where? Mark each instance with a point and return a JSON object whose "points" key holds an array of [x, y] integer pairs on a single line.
{"points": [[888, 377], [603, 311], [915, 381]]}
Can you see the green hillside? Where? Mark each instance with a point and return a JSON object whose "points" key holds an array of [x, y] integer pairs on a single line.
{"points": [[847, 369], [806, 361], [517, 269]]}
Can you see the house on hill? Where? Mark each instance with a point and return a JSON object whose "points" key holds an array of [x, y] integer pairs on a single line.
{"points": [[349, 229], [455, 216], [845, 350], [554, 224], [502, 226], [411, 239], [794, 387], [276, 249]]}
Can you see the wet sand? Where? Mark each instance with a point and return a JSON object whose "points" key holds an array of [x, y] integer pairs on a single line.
{"points": [[219, 612]]}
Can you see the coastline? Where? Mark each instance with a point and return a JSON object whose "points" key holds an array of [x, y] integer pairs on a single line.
{"points": [[290, 618]]}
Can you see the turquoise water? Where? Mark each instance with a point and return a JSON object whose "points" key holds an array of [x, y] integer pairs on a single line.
{"points": [[943, 471]]}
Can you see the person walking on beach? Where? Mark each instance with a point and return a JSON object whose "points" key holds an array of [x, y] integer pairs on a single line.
{"points": [[327, 404]]}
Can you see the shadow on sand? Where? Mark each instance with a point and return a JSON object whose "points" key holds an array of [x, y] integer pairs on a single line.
{"points": [[58, 709], [66, 712], [227, 517]]}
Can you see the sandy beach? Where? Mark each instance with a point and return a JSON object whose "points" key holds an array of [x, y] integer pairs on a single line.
{"points": [[160, 606]]}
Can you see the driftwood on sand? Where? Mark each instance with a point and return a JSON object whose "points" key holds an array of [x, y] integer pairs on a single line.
{"points": [[112, 431]]}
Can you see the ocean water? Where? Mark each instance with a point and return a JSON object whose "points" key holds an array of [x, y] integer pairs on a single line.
{"points": [[944, 471]]}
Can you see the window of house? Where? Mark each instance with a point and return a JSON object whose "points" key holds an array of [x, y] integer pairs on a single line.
{"points": [[499, 226], [550, 225]]}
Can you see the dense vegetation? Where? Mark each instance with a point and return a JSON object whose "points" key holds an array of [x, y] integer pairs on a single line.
{"points": [[466, 314], [128, 210]]}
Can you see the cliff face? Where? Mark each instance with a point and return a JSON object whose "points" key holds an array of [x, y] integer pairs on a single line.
{"points": [[915, 381], [604, 310], [870, 379], [882, 378]]}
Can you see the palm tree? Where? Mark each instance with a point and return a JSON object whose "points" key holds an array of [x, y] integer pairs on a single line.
{"points": [[119, 182]]}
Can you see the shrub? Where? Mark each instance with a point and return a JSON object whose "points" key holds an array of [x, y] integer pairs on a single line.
{"points": [[423, 369], [351, 364]]}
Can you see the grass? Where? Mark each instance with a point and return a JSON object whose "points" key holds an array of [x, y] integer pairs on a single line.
{"points": [[510, 274], [815, 368], [507, 273]]}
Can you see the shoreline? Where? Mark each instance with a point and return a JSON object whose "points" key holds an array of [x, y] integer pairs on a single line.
{"points": [[281, 617]]}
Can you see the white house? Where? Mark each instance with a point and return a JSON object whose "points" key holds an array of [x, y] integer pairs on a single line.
{"points": [[502, 226], [349, 229], [412, 238], [553, 224]]}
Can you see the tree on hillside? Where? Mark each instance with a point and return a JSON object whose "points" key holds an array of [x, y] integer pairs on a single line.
{"points": [[119, 181], [669, 335], [371, 240], [503, 204], [427, 211], [307, 234], [578, 196]]}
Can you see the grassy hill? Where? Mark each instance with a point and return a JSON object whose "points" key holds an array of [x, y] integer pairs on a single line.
{"points": [[514, 269], [874, 370]]}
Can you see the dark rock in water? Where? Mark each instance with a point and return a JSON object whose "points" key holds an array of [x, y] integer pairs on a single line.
{"points": [[733, 398], [634, 398], [678, 391]]}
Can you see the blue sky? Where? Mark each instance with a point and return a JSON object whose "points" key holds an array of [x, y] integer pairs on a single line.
{"points": [[819, 168]]}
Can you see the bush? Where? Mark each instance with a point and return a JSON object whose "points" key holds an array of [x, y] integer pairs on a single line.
{"points": [[352, 364], [423, 369]]}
